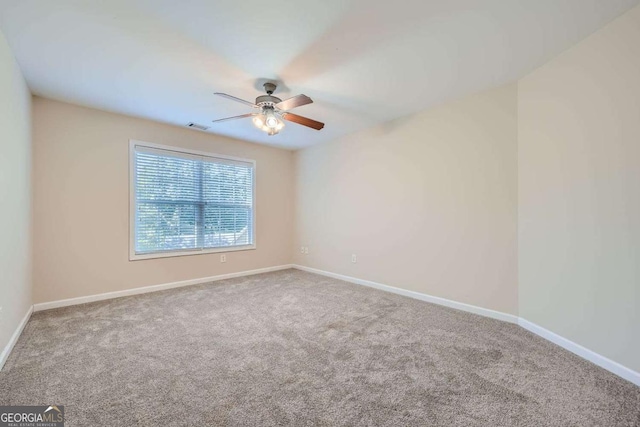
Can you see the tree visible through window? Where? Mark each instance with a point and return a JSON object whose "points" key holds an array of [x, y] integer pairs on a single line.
{"points": [[185, 202]]}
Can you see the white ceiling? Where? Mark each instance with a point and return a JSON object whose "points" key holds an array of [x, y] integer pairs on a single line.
{"points": [[363, 62]]}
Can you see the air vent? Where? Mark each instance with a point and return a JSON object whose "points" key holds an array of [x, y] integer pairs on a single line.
{"points": [[197, 126]]}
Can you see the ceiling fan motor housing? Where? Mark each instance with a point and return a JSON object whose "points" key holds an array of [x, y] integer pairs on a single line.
{"points": [[267, 101]]}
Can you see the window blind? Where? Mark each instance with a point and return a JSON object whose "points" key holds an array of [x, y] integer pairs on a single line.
{"points": [[186, 202]]}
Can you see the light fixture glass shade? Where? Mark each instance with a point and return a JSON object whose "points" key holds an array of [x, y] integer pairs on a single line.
{"points": [[269, 123], [258, 121], [271, 120]]}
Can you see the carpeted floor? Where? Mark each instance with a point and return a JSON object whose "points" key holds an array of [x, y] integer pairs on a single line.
{"points": [[293, 348]]}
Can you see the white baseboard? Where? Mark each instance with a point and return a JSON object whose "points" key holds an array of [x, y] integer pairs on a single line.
{"points": [[603, 362], [417, 295], [14, 338], [153, 288], [585, 353]]}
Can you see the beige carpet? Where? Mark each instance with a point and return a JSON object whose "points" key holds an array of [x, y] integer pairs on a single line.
{"points": [[293, 348]]}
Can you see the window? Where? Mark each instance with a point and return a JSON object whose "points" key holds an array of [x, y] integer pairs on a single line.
{"points": [[185, 202]]}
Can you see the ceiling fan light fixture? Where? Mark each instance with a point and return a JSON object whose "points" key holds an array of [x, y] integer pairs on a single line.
{"points": [[268, 122], [271, 120]]}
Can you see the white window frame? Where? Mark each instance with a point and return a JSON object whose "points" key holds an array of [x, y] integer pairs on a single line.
{"points": [[132, 203]]}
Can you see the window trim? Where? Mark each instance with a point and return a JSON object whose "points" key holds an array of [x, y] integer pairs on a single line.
{"points": [[132, 204]]}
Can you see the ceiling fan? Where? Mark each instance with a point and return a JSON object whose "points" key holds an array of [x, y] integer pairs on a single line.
{"points": [[273, 110]]}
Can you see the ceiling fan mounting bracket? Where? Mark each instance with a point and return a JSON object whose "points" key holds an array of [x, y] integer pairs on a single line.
{"points": [[269, 88]]}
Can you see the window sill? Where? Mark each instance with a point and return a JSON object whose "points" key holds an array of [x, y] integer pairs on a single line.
{"points": [[138, 257]]}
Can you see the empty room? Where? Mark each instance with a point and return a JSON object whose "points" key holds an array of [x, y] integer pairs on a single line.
{"points": [[337, 213]]}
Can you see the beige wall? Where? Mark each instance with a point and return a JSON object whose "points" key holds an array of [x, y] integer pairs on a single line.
{"points": [[15, 195], [81, 202], [579, 193], [428, 203]]}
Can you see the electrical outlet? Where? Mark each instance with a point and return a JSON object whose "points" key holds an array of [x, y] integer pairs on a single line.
{"points": [[223, 258], [354, 259], [306, 250], [301, 249]]}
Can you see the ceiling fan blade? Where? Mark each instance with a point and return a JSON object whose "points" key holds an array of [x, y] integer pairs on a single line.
{"points": [[235, 117], [233, 98], [296, 101], [303, 121]]}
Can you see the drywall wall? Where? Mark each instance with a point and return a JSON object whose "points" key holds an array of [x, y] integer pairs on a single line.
{"points": [[15, 194], [579, 193], [427, 203], [81, 202]]}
